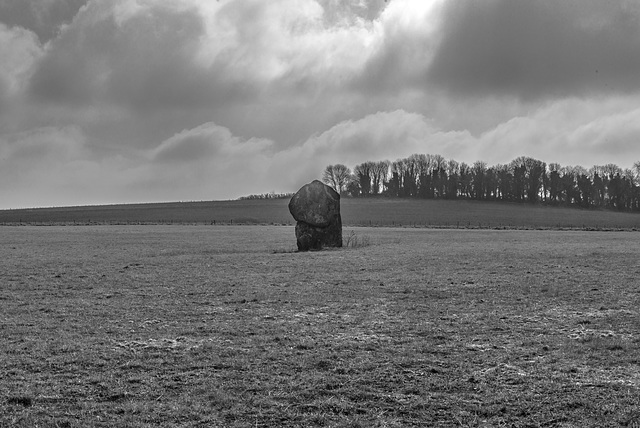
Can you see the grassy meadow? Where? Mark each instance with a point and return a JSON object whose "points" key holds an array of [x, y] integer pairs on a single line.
{"points": [[355, 212], [227, 326]]}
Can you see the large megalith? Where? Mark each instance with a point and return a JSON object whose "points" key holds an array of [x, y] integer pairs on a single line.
{"points": [[316, 209]]}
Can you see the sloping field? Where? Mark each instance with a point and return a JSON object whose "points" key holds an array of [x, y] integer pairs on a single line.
{"points": [[225, 326], [362, 212], [474, 214], [246, 211]]}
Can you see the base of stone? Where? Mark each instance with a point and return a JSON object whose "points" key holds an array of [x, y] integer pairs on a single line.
{"points": [[311, 238]]}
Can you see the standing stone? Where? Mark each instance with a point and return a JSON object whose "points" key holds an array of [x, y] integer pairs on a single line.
{"points": [[316, 208]]}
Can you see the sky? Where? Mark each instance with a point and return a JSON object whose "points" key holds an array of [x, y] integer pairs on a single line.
{"points": [[125, 101]]}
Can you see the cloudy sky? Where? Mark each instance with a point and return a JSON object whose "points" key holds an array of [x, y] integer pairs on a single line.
{"points": [[110, 101]]}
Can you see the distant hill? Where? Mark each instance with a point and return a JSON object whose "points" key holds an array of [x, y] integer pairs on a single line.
{"points": [[241, 211], [355, 212]]}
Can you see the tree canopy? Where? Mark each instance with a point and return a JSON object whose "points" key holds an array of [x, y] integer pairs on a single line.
{"points": [[524, 180]]}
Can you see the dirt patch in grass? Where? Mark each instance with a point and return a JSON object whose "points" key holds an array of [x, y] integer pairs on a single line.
{"points": [[216, 326]]}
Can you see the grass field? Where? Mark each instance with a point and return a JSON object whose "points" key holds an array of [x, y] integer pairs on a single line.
{"points": [[226, 326], [355, 212]]}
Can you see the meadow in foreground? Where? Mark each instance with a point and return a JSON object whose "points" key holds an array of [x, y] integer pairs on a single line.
{"points": [[204, 326]]}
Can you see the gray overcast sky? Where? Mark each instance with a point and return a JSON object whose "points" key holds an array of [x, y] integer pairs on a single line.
{"points": [[149, 100]]}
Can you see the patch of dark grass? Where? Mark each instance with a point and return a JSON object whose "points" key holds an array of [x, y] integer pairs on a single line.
{"points": [[20, 400], [284, 250]]}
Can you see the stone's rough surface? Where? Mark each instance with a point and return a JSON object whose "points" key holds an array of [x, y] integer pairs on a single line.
{"points": [[315, 238], [315, 204], [316, 208]]}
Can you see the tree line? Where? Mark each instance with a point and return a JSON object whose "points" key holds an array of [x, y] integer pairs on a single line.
{"points": [[524, 180], [271, 195]]}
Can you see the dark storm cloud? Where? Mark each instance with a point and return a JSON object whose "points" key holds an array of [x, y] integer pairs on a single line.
{"points": [[43, 17], [143, 62], [537, 49], [161, 67], [150, 56]]}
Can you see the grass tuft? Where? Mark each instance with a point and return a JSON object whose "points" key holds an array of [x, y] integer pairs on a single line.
{"points": [[353, 240]]}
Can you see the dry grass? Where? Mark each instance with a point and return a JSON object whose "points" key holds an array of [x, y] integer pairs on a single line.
{"points": [[209, 326], [351, 239]]}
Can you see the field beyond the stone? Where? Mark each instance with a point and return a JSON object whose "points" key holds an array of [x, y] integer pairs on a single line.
{"points": [[228, 326]]}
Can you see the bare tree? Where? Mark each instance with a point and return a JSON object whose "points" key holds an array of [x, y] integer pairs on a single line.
{"points": [[610, 170], [363, 174], [337, 176], [636, 173], [478, 172], [532, 172], [379, 175]]}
